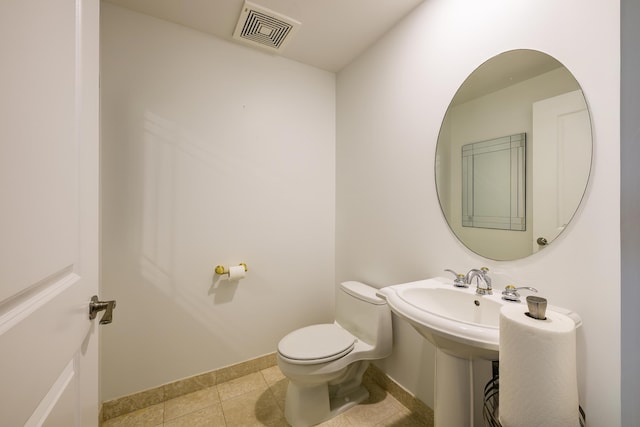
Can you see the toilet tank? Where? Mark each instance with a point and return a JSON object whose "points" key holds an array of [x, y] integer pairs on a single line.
{"points": [[360, 311]]}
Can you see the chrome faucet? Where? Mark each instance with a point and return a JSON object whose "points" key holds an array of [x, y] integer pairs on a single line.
{"points": [[483, 281], [464, 280]]}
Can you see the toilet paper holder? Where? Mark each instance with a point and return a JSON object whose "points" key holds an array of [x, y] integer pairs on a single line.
{"points": [[220, 269]]}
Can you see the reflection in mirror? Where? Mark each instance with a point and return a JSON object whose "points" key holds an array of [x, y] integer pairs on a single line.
{"points": [[493, 183], [520, 91]]}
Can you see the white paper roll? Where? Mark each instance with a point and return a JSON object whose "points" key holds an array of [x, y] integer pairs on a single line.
{"points": [[236, 272], [538, 379]]}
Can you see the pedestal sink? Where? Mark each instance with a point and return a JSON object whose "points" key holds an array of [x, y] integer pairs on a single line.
{"points": [[463, 326]]}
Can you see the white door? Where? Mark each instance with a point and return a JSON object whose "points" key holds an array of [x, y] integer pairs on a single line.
{"points": [[49, 212], [561, 151]]}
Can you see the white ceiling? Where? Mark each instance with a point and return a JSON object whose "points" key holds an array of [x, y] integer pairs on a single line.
{"points": [[333, 32]]}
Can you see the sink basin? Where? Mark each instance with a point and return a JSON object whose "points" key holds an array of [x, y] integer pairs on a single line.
{"points": [[456, 320]]}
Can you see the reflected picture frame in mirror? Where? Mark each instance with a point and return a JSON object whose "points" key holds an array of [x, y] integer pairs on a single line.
{"points": [[519, 91], [493, 183]]}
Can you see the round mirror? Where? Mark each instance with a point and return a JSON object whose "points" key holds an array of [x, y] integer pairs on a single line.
{"points": [[514, 155]]}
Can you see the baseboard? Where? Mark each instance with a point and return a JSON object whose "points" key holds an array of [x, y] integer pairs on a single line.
{"points": [[402, 395], [133, 402]]}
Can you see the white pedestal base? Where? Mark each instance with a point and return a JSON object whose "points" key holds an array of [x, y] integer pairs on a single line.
{"points": [[453, 391]]}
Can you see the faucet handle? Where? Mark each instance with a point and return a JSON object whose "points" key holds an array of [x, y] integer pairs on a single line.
{"points": [[460, 280], [510, 292]]}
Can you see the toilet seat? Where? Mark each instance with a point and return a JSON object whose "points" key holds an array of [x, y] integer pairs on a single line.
{"points": [[316, 344]]}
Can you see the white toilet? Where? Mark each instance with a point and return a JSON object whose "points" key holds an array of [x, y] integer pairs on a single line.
{"points": [[325, 363]]}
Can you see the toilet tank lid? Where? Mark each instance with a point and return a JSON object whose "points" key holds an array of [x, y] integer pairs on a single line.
{"points": [[361, 291]]}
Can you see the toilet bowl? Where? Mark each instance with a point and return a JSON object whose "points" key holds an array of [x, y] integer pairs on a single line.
{"points": [[325, 363]]}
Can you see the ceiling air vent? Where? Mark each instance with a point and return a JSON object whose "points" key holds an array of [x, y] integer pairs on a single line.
{"points": [[261, 27]]}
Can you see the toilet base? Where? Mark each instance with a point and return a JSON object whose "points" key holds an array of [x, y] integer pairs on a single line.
{"points": [[308, 406], [341, 404]]}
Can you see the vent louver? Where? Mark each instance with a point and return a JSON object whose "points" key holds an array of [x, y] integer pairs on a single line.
{"points": [[264, 28]]}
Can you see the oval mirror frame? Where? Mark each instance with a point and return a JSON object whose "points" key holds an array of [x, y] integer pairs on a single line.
{"points": [[514, 155]]}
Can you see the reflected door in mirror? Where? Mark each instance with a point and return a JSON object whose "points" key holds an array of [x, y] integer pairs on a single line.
{"points": [[560, 162]]}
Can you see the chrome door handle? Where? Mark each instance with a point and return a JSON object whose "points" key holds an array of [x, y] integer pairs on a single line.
{"points": [[95, 306]]}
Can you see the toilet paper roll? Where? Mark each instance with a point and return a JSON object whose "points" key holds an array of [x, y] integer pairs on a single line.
{"points": [[538, 379], [236, 272]]}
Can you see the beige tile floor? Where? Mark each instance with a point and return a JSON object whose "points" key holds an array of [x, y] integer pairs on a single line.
{"points": [[258, 400]]}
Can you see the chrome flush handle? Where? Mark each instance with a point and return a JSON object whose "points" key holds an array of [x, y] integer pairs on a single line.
{"points": [[95, 306]]}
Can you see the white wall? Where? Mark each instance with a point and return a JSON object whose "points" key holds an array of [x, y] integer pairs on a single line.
{"points": [[212, 153], [389, 228]]}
